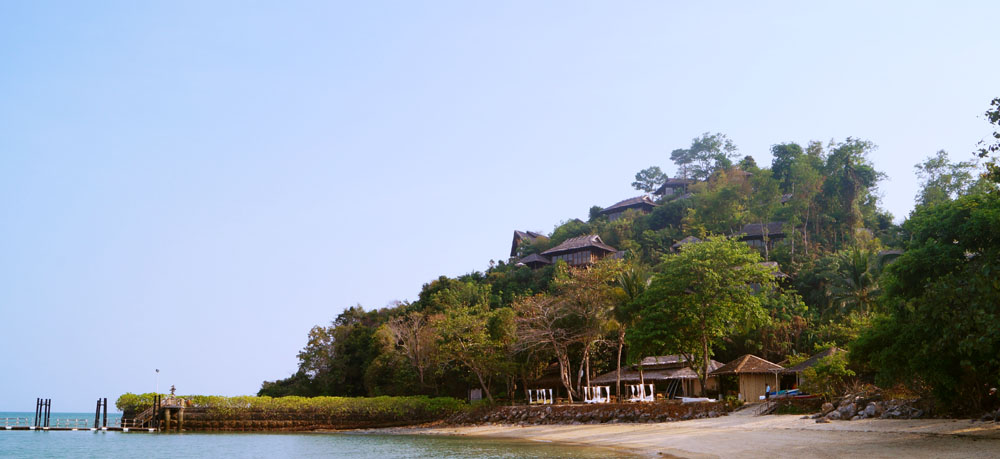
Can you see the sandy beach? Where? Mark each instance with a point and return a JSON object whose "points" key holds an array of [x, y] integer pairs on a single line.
{"points": [[743, 435]]}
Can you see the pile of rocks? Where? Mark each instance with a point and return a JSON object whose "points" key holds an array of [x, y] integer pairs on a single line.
{"points": [[592, 414], [864, 406]]}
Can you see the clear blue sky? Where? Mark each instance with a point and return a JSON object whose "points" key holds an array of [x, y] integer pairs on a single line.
{"points": [[233, 173]]}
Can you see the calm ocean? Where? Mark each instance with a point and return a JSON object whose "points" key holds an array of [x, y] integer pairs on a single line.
{"points": [[87, 444]]}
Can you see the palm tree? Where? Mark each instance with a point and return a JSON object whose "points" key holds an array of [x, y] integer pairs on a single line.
{"points": [[858, 286], [630, 282]]}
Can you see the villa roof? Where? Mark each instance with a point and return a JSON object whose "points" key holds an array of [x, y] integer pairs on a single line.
{"points": [[673, 183], [631, 376], [685, 241], [813, 360], [630, 203], [751, 230], [580, 243], [534, 258], [748, 364], [522, 236]]}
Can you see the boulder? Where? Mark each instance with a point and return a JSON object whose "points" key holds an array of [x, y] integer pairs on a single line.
{"points": [[833, 416], [827, 407], [822, 421], [871, 410], [847, 411]]}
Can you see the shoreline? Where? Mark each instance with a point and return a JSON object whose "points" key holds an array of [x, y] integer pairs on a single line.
{"points": [[752, 436]]}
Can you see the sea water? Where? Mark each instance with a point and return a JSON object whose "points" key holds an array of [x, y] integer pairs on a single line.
{"points": [[90, 444]]}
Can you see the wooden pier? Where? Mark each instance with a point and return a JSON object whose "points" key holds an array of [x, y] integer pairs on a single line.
{"points": [[164, 415]]}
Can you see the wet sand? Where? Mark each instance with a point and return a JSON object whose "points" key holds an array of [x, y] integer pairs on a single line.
{"points": [[742, 435]]}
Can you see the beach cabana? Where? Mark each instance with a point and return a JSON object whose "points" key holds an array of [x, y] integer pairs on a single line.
{"points": [[754, 374], [668, 373]]}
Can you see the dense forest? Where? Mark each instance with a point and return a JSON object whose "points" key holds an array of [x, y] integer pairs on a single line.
{"points": [[917, 305]]}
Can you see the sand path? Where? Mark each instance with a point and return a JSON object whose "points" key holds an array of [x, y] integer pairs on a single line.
{"points": [[742, 435]]}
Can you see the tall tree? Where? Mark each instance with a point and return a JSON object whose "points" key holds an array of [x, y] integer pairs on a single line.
{"points": [[415, 335], [630, 283], [707, 153], [943, 180], [574, 313], [990, 148], [463, 336], [851, 178], [943, 327], [764, 200], [649, 179], [699, 297], [785, 154]]}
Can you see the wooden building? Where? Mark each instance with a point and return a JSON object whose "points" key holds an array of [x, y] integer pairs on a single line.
{"points": [[580, 250], [752, 374], [753, 234], [642, 204], [520, 237], [534, 261], [673, 187]]}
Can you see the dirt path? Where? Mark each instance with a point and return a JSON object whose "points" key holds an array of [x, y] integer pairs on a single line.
{"points": [[765, 436]]}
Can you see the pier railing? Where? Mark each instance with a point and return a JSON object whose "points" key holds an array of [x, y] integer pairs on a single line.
{"points": [[70, 423], [16, 422]]}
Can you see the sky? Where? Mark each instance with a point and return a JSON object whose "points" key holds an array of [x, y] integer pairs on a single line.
{"points": [[191, 186]]}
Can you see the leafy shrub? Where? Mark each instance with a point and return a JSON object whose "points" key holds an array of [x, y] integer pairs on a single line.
{"points": [[373, 408]]}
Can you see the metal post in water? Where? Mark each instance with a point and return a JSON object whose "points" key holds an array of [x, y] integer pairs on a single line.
{"points": [[105, 412], [38, 403], [97, 414], [48, 411]]}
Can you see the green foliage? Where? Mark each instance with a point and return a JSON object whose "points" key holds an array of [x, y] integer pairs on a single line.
{"points": [[707, 154], [943, 297], [829, 377], [383, 408], [698, 298], [785, 155], [649, 179], [942, 180], [991, 148]]}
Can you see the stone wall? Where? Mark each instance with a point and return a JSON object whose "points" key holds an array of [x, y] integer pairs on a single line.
{"points": [[592, 414]]}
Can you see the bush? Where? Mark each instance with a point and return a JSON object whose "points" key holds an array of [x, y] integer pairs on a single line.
{"points": [[417, 408]]}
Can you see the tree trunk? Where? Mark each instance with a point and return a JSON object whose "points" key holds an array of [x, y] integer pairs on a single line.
{"points": [[482, 383], [764, 236], [564, 374], [707, 359], [583, 364], [618, 378]]}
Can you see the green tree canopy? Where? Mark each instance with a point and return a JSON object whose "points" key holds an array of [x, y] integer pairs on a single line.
{"points": [[699, 297]]}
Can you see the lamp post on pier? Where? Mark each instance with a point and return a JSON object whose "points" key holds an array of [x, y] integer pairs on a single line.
{"points": [[157, 381]]}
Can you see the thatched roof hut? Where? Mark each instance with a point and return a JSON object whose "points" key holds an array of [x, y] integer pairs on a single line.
{"points": [[754, 375], [640, 203], [673, 186], [534, 261], [811, 361], [580, 250], [520, 237]]}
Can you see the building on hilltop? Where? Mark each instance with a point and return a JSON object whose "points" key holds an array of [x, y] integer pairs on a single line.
{"points": [[683, 242], [673, 187], [753, 234], [534, 261], [641, 204], [580, 250], [520, 237]]}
